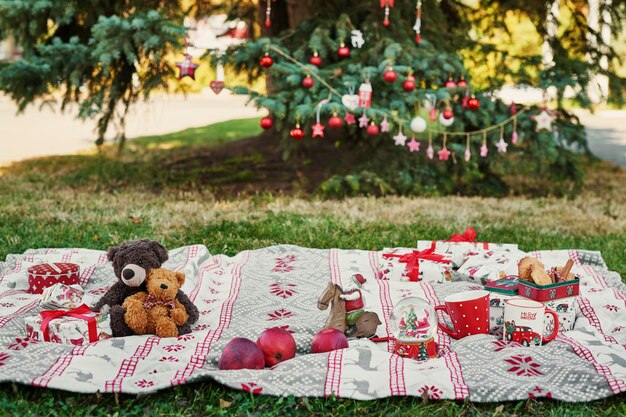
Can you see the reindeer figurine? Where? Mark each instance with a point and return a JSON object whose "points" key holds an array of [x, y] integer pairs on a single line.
{"points": [[337, 317], [353, 321]]}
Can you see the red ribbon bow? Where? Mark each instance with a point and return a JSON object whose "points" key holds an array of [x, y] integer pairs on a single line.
{"points": [[468, 236], [385, 3], [412, 261], [78, 312]]}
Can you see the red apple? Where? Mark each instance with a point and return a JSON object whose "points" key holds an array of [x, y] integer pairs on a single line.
{"points": [[328, 339], [241, 353], [277, 345]]}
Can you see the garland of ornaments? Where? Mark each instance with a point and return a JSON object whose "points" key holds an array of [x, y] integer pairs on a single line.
{"points": [[543, 116]]}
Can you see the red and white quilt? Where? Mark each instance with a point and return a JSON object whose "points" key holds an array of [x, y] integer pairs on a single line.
{"points": [[242, 295]]}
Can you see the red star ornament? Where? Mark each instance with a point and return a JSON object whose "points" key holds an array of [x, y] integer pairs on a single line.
{"points": [[318, 130], [444, 154], [187, 68], [349, 118]]}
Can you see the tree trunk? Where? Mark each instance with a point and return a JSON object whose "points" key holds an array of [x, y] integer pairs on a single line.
{"points": [[284, 15], [278, 16], [299, 10]]}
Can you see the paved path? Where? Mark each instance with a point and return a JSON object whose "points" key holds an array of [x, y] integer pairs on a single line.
{"points": [[606, 133], [40, 132]]}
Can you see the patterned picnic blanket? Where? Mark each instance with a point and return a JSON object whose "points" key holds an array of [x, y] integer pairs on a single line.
{"points": [[278, 286]]}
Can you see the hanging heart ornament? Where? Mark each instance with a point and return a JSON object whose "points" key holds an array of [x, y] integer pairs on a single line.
{"points": [[351, 101], [217, 86]]}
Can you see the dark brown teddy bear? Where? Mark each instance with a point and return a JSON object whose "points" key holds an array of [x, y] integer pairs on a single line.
{"points": [[132, 261], [157, 311]]}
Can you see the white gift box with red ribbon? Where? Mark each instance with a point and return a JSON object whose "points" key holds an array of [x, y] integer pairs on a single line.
{"points": [[404, 264], [77, 327], [491, 265], [460, 247]]}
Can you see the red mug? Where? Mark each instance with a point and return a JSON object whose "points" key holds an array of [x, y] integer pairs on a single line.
{"points": [[469, 311]]}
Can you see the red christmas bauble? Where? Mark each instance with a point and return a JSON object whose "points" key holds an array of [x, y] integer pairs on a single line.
{"points": [[343, 51], [450, 83], [316, 60], [448, 114], [462, 83], [267, 61], [268, 23], [386, 22], [409, 84], [473, 103], [335, 122], [267, 122], [308, 82], [372, 130], [390, 75], [297, 133], [513, 109]]}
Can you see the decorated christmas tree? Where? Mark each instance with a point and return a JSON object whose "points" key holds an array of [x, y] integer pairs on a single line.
{"points": [[387, 81], [423, 353], [420, 123]]}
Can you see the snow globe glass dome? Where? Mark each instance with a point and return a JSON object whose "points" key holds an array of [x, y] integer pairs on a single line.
{"points": [[413, 324]]}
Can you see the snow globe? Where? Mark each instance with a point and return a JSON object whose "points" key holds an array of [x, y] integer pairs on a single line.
{"points": [[413, 324]]}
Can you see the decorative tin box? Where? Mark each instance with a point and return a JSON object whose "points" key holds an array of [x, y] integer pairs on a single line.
{"points": [[45, 275], [506, 286], [549, 292]]}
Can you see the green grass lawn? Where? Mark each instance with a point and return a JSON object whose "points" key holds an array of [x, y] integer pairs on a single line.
{"points": [[99, 200]]}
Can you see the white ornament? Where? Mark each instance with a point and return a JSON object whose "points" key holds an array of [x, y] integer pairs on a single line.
{"points": [[400, 138], [351, 101], [445, 122], [356, 37], [418, 124], [544, 120], [502, 145]]}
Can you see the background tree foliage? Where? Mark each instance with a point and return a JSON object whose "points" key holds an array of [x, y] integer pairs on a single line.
{"points": [[105, 55]]}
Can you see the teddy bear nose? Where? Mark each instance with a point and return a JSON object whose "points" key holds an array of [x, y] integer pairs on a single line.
{"points": [[128, 273], [164, 286]]}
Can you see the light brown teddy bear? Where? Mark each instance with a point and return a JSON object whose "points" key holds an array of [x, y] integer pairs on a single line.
{"points": [[157, 311]]}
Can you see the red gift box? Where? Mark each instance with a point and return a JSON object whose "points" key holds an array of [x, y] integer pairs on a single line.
{"points": [[45, 275]]}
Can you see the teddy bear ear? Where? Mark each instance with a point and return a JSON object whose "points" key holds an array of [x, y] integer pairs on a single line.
{"points": [[111, 252], [181, 278], [160, 251]]}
